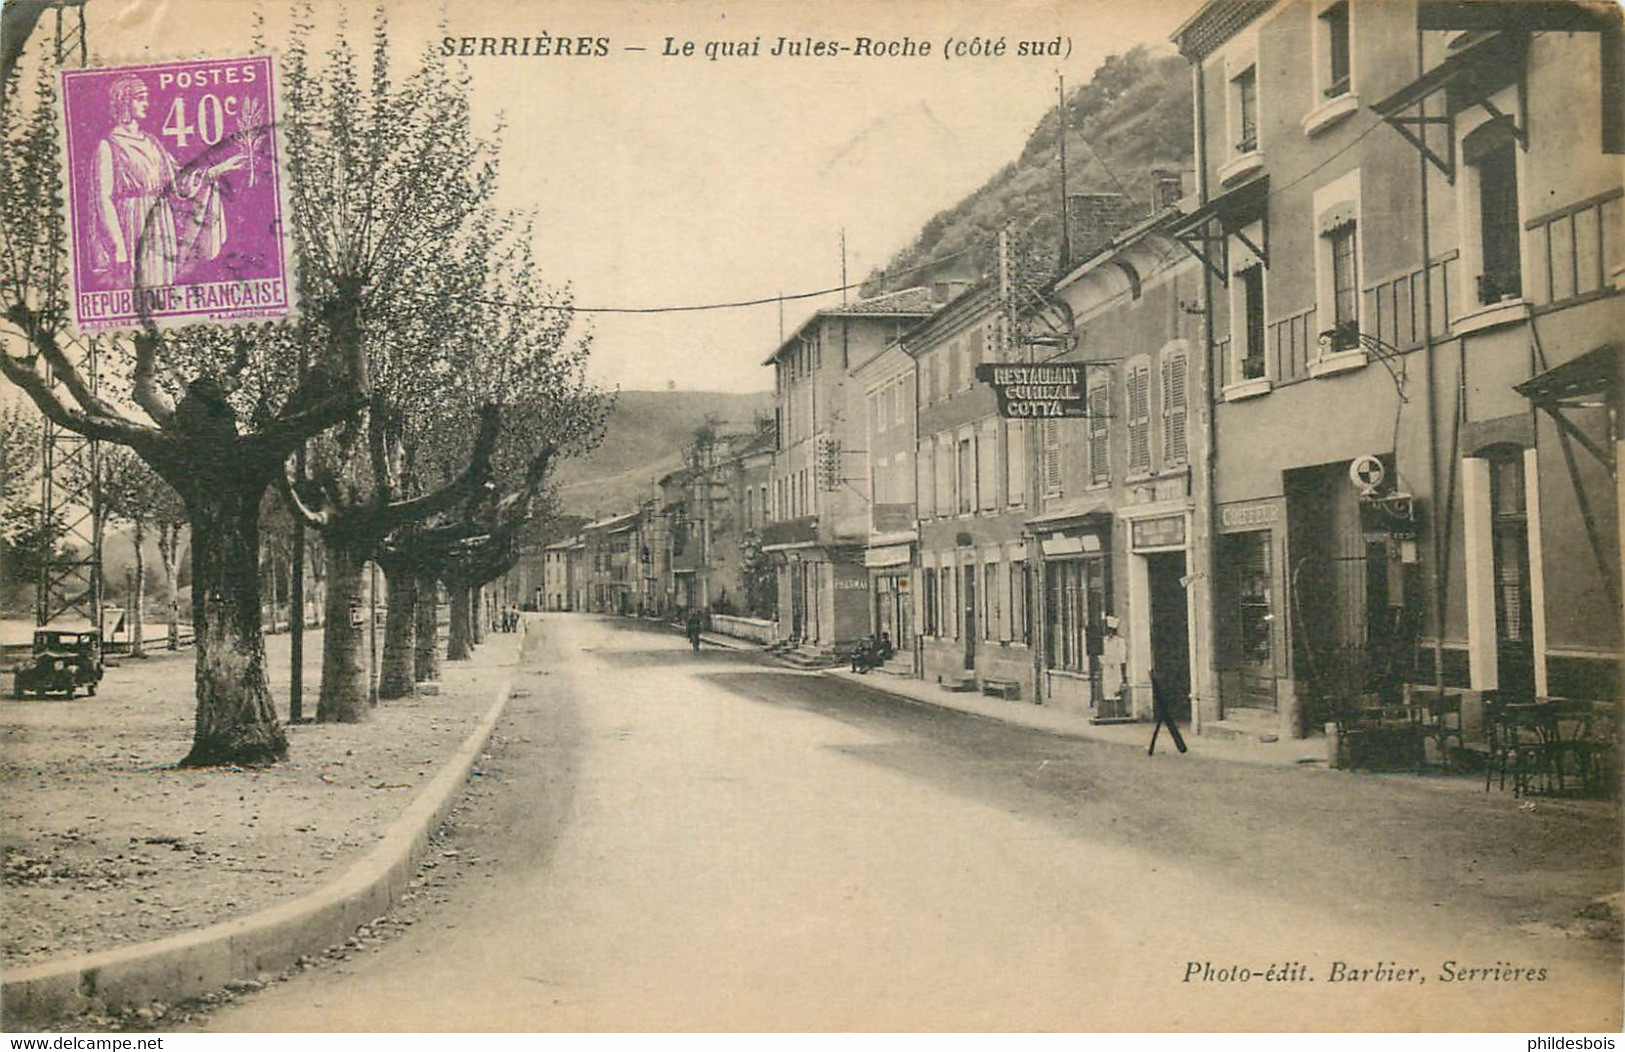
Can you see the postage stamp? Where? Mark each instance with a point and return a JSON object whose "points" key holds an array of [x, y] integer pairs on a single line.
{"points": [[175, 204]]}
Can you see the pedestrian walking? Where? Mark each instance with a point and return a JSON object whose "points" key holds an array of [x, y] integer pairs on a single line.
{"points": [[693, 627], [1159, 709]]}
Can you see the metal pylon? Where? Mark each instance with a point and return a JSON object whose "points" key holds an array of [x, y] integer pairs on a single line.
{"points": [[70, 578]]}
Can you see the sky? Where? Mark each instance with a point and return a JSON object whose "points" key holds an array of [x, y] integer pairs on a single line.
{"points": [[662, 179]]}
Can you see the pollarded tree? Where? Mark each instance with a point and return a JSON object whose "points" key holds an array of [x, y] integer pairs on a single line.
{"points": [[372, 192], [527, 359]]}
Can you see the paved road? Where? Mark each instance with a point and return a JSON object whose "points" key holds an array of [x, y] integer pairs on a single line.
{"points": [[706, 842]]}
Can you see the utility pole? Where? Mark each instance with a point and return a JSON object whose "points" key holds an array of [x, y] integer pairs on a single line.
{"points": [[1066, 226]]}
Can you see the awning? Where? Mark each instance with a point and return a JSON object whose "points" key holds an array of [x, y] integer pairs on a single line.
{"points": [[888, 555], [1590, 381], [1478, 67], [1232, 211], [1091, 516]]}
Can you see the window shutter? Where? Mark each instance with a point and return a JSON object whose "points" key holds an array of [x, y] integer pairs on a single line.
{"points": [[1175, 447], [1099, 451], [1052, 457], [987, 482], [1139, 418]]}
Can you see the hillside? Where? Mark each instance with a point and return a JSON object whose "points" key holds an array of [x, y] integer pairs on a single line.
{"points": [[643, 441], [1133, 116]]}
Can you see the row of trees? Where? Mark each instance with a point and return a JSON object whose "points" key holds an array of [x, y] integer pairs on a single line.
{"points": [[411, 413]]}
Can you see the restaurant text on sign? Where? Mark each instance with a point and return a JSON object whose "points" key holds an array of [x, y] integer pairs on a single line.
{"points": [[1037, 391]]}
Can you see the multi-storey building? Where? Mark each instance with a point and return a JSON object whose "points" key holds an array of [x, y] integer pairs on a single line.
{"points": [[820, 516], [1116, 525], [972, 490], [888, 385], [1410, 219]]}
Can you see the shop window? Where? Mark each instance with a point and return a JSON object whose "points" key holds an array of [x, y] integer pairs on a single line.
{"points": [[1250, 282], [928, 601], [1334, 23], [1138, 382], [1074, 602], [1246, 559]]}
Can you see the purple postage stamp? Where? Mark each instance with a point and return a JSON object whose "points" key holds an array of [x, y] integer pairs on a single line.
{"points": [[175, 194]]}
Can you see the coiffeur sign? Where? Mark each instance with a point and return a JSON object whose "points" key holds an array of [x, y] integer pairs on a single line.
{"points": [[1040, 392]]}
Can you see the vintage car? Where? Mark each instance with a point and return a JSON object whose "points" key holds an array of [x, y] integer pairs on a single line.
{"points": [[61, 663]]}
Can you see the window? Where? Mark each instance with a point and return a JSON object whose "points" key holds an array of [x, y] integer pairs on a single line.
{"points": [[1020, 630], [1138, 381], [950, 596], [1175, 449], [945, 475], [1052, 458], [928, 601], [987, 467], [1245, 560], [1251, 281], [924, 465], [1099, 395], [967, 475], [1341, 242], [1509, 539], [1335, 20], [1074, 596], [990, 601], [1015, 462], [1245, 93], [1494, 159]]}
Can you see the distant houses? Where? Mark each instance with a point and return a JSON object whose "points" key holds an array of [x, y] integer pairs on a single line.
{"points": [[1336, 415]]}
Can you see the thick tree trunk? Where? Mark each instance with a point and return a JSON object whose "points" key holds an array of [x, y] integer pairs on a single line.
{"points": [[343, 697], [395, 675], [139, 613], [426, 649], [236, 723], [476, 600], [460, 643]]}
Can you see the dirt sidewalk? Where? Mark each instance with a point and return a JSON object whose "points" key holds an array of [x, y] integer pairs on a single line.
{"points": [[106, 843]]}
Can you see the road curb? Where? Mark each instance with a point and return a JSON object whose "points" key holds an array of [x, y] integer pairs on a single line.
{"points": [[184, 966]]}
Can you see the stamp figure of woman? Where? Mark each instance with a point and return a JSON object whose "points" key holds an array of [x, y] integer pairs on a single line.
{"points": [[152, 221]]}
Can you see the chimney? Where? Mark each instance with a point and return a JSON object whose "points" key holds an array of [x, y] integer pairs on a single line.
{"points": [[1166, 189], [944, 291], [1094, 219]]}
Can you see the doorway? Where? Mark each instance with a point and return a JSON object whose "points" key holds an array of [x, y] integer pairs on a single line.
{"points": [[969, 597], [1170, 630]]}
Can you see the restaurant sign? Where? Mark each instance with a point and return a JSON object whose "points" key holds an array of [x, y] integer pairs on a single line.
{"points": [[1042, 392]]}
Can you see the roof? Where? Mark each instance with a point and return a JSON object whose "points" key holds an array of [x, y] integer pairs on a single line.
{"points": [[911, 302], [964, 308], [613, 523], [1215, 22]]}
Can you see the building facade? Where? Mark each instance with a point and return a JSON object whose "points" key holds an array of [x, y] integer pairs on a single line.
{"points": [[820, 516], [1410, 218]]}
